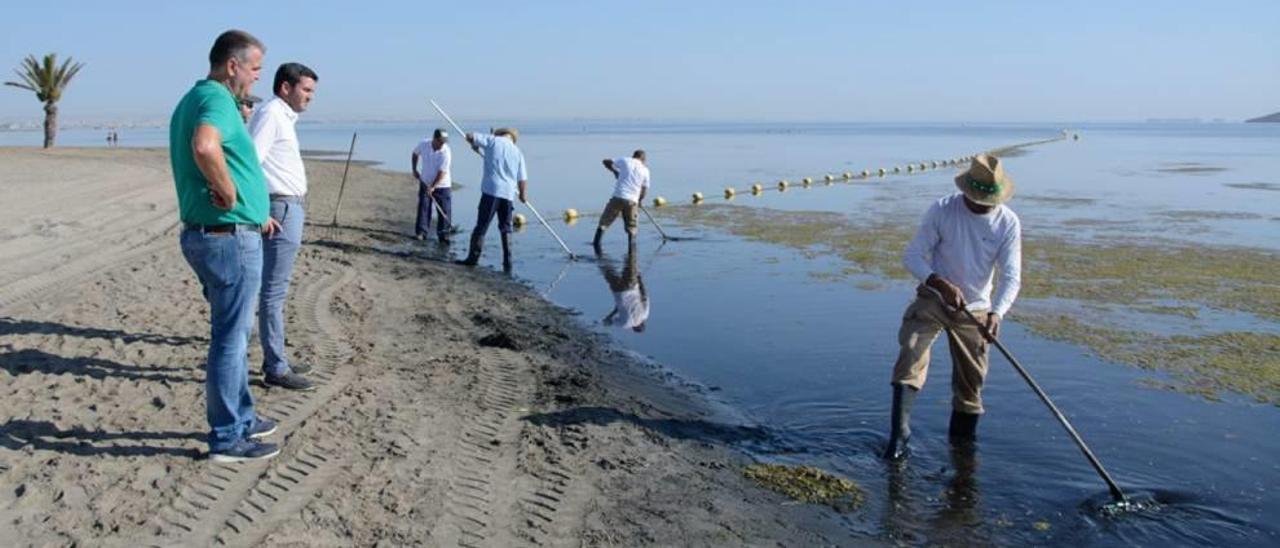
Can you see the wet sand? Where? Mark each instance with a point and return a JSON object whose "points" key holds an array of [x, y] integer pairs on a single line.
{"points": [[454, 406]]}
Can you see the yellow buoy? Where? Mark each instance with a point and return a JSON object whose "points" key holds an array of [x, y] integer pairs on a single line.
{"points": [[659, 201], [729, 192], [570, 214], [697, 197], [518, 220], [782, 185], [757, 188]]}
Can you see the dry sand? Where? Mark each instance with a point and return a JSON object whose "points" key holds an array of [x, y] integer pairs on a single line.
{"points": [[454, 407]]}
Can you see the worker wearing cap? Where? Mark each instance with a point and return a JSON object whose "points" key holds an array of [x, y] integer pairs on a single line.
{"points": [[434, 185]]}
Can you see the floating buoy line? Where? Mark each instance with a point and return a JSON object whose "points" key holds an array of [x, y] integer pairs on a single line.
{"points": [[571, 215]]}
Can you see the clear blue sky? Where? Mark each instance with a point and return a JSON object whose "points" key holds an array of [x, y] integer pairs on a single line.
{"points": [[716, 60]]}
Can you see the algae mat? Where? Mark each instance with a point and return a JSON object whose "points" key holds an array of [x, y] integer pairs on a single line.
{"points": [[1159, 283]]}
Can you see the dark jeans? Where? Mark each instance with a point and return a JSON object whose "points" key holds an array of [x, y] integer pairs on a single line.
{"points": [[443, 197], [489, 205]]}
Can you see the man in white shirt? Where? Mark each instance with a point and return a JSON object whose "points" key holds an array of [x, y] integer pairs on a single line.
{"points": [[276, 141], [435, 184], [632, 175], [966, 242]]}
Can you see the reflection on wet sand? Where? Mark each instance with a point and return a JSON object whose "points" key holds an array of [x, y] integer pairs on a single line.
{"points": [[958, 519], [630, 299]]}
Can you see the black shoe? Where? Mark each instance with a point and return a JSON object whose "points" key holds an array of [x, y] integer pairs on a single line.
{"points": [[289, 381], [245, 450], [469, 261], [964, 426], [900, 422]]}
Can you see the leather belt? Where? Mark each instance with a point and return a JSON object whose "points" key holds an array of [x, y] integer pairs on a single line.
{"points": [[228, 228]]}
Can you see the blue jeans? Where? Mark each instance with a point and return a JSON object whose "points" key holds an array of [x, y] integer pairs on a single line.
{"points": [[229, 267], [278, 254], [443, 197]]}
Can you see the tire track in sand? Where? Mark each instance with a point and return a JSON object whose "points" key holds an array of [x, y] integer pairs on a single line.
{"points": [[482, 463], [236, 504]]}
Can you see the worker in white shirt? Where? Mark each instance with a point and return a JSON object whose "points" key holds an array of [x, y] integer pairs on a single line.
{"points": [[966, 241], [435, 184], [631, 182], [276, 141]]}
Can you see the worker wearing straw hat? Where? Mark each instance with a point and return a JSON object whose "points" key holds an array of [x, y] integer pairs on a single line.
{"points": [[504, 179], [966, 242]]}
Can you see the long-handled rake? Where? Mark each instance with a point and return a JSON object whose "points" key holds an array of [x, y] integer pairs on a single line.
{"points": [[1117, 495], [333, 225], [528, 204], [665, 237]]}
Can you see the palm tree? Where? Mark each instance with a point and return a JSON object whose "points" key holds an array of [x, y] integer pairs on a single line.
{"points": [[47, 80]]}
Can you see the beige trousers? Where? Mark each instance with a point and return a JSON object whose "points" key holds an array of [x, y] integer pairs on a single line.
{"points": [[627, 209], [921, 324]]}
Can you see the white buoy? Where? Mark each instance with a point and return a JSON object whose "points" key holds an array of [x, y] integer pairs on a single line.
{"points": [[659, 201], [935, 165], [569, 215], [865, 174], [882, 172], [729, 192], [757, 188], [697, 197], [828, 178], [910, 168], [848, 175], [897, 169], [782, 185], [807, 181], [518, 220]]}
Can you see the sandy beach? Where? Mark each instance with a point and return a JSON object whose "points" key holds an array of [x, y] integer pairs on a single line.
{"points": [[455, 407]]}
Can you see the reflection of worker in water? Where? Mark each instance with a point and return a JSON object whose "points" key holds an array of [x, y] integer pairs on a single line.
{"points": [[630, 300]]}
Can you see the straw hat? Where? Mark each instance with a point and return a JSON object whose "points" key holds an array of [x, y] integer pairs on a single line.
{"points": [[515, 135], [985, 182]]}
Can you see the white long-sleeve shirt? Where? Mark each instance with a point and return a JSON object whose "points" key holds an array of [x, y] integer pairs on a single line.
{"points": [[968, 250], [276, 141]]}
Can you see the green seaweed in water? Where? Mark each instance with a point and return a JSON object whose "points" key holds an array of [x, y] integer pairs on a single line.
{"points": [[808, 484]]}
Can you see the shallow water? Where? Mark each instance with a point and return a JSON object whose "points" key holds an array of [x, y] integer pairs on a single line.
{"points": [[807, 357]]}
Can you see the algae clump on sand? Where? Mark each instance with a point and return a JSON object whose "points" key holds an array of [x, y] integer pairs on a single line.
{"points": [[808, 484]]}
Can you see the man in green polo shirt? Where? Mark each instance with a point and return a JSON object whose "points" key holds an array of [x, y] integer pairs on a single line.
{"points": [[223, 204]]}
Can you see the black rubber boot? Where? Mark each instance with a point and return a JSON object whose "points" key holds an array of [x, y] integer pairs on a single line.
{"points": [[473, 256], [595, 242], [900, 422], [964, 426], [506, 252]]}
